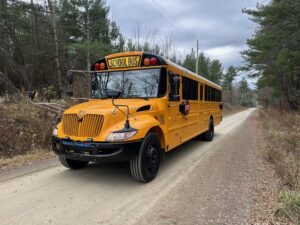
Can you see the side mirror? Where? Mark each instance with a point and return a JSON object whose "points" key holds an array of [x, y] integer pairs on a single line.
{"points": [[70, 78], [113, 93]]}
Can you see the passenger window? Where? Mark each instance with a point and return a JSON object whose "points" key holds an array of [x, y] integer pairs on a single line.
{"points": [[201, 92], [212, 94], [174, 81], [189, 89]]}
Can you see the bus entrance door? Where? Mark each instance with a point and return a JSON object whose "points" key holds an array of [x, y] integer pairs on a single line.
{"points": [[175, 118]]}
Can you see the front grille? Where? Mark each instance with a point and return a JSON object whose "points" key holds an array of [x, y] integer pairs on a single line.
{"points": [[89, 126]]}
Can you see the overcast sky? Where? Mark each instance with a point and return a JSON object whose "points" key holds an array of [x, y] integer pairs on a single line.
{"points": [[220, 26]]}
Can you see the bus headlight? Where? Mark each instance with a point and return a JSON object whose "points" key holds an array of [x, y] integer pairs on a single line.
{"points": [[119, 136], [54, 133]]}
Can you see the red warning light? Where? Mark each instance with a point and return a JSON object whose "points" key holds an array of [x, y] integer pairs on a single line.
{"points": [[153, 61], [97, 66]]}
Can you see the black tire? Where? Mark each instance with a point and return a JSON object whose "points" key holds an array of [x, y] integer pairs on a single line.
{"points": [[72, 164], [209, 135], [145, 165]]}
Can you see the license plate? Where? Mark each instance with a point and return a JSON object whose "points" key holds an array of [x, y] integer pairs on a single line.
{"points": [[123, 62], [77, 145]]}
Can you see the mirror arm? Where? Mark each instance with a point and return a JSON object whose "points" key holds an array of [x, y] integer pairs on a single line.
{"points": [[126, 114]]}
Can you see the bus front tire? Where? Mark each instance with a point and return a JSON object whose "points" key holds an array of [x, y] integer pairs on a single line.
{"points": [[209, 135], [145, 165], [72, 164]]}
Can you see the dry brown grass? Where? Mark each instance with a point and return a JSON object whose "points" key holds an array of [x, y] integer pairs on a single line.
{"points": [[282, 133], [27, 158], [24, 130]]}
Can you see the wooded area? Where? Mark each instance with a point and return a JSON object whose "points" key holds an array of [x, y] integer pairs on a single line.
{"points": [[40, 41], [274, 53]]}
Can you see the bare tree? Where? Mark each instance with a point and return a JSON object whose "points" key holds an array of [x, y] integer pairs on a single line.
{"points": [[56, 54]]}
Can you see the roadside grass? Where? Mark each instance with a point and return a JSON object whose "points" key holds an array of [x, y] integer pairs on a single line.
{"points": [[289, 205], [27, 158], [25, 131], [282, 133]]}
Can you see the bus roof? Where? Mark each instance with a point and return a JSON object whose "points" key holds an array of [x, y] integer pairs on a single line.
{"points": [[197, 76]]}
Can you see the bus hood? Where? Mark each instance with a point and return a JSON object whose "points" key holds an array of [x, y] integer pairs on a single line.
{"points": [[105, 107], [97, 118]]}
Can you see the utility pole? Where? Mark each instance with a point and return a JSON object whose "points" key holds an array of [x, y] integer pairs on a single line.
{"points": [[197, 59]]}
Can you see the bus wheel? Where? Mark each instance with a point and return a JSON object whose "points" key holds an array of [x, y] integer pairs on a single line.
{"points": [[145, 165], [72, 164], [209, 135]]}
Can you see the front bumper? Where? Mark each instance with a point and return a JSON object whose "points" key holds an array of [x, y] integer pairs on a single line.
{"points": [[95, 151]]}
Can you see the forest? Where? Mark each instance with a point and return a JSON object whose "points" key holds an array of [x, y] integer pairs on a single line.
{"points": [[41, 41]]}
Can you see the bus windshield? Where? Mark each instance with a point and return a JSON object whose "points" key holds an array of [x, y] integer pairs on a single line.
{"points": [[147, 83]]}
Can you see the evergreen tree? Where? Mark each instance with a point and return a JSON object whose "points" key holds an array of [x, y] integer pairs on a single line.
{"points": [[246, 94], [215, 71], [229, 77], [274, 53], [203, 65], [190, 61]]}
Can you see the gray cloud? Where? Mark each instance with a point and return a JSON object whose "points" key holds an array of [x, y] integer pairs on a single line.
{"points": [[219, 25]]}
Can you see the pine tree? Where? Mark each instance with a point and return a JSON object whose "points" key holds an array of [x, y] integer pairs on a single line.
{"points": [[203, 65], [215, 71], [274, 54], [190, 61], [229, 77]]}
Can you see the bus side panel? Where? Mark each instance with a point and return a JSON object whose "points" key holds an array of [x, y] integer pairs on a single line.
{"points": [[191, 127]]}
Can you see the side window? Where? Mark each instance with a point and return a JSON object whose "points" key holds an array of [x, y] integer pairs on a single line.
{"points": [[189, 89], [201, 92], [194, 90], [185, 88], [212, 94], [174, 86], [208, 93]]}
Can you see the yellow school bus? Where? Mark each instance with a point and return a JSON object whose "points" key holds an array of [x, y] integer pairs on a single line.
{"points": [[142, 105]]}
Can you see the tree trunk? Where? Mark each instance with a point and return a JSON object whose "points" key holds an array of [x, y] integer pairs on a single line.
{"points": [[56, 56], [88, 36], [33, 43]]}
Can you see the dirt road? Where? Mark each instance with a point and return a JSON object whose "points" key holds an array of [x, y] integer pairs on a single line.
{"points": [[199, 183]]}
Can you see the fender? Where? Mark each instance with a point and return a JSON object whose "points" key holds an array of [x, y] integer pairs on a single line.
{"points": [[142, 123]]}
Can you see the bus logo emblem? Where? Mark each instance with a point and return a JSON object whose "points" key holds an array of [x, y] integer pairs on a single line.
{"points": [[81, 115]]}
